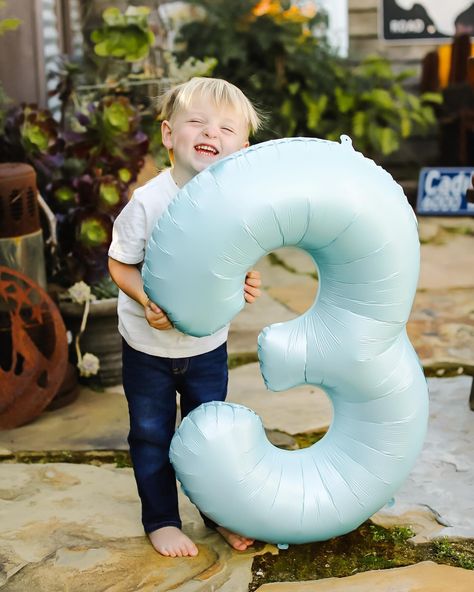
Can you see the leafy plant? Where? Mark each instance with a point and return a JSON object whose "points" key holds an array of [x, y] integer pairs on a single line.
{"points": [[372, 106], [267, 49], [84, 172], [126, 36], [453, 552], [277, 54]]}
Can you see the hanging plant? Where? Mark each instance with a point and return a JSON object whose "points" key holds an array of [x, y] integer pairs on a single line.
{"points": [[126, 36]]}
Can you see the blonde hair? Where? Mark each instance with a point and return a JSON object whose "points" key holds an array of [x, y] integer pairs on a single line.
{"points": [[216, 89]]}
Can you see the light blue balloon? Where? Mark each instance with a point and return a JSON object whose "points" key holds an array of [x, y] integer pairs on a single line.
{"points": [[354, 221]]}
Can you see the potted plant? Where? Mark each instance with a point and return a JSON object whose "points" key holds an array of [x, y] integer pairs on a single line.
{"points": [[86, 158], [84, 172]]}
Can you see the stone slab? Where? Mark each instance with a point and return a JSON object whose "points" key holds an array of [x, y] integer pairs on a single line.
{"points": [[441, 323], [246, 326], [95, 421], [441, 327], [422, 577], [442, 480], [449, 265], [77, 527], [447, 259], [302, 409], [99, 420]]}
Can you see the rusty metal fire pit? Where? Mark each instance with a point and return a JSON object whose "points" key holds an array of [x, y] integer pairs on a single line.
{"points": [[33, 349]]}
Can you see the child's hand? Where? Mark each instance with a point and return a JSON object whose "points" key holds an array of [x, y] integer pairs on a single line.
{"points": [[252, 286], [156, 317]]}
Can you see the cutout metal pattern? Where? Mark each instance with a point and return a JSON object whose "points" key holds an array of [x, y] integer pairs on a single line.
{"points": [[33, 349]]}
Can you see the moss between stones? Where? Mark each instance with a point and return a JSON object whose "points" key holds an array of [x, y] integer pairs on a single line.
{"points": [[308, 438], [121, 458], [448, 369], [367, 548], [236, 360], [459, 552], [276, 260], [442, 234], [462, 230], [443, 369]]}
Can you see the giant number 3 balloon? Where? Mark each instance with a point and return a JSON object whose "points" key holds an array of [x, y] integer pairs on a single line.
{"points": [[355, 222]]}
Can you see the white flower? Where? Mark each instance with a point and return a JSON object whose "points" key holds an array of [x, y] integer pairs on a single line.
{"points": [[80, 292], [88, 365]]}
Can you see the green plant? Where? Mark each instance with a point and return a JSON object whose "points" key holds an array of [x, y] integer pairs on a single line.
{"points": [[372, 106], [266, 48], [124, 35], [453, 552], [84, 172], [277, 53], [396, 534]]}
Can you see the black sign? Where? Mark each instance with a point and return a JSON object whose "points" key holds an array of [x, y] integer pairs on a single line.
{"points": [[426, 19]]}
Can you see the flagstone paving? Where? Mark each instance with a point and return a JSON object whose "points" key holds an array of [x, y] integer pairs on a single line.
{"points": [[423, 577], [442, 481], [76, 526]]}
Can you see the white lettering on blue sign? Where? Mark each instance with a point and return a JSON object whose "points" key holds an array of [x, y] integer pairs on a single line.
{"points": [[444, 193]]}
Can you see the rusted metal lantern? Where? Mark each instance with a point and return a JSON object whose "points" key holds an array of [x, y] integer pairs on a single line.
{"points": [[21, 237], [33, 349]]}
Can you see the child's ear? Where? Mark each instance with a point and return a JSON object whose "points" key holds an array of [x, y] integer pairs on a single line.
{"points": [[166, 135], [246, 144]]}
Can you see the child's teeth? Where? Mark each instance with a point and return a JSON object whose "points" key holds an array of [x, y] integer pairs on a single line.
{"points": [[207, 149]]}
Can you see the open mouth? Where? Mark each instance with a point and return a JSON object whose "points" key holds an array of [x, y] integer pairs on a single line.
{"points": [[206, 149]]}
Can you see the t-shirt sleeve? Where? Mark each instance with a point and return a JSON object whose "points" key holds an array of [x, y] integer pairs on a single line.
{"points": [[129, 234]]}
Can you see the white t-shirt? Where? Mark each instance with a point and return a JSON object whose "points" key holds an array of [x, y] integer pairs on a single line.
{"points": [[131, 231]]}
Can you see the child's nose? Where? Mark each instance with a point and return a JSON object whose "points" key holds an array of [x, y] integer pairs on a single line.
{"points": [[211, 131]]}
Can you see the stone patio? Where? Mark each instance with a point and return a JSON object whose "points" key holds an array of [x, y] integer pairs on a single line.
{"points": [[75, 526]]}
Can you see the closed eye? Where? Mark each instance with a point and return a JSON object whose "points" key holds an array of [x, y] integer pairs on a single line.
{"points": [[229, 129]]}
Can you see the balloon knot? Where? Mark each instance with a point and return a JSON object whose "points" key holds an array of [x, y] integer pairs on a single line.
{"points": [[346, 141]]}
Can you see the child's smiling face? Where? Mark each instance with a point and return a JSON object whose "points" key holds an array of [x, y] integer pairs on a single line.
{"points": [[201, 134]]}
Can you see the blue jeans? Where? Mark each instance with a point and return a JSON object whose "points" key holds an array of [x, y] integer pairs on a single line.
{"points": [[150, 384]]}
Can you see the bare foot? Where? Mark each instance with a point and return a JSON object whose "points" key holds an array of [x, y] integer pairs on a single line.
{"points": [[172, 542], [236, 541]]}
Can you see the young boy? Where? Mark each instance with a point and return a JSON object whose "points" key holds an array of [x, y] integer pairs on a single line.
{"points": [[204, 120]]}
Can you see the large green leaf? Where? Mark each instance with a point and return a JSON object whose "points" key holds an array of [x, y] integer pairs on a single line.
{"points": [[388, 140], [117, 116], [315, 109], [431, 97], [359, 123], [345, 101], [379, 97]]}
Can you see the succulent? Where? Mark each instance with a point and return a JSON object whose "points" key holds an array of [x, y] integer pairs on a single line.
{"points": [[84, 173]]}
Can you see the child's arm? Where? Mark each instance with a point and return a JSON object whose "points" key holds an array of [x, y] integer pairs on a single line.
{"points": [[128, 278]]}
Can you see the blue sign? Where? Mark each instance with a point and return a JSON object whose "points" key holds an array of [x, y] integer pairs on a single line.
{"points": [[442, 191]]}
